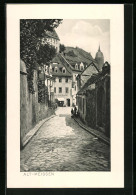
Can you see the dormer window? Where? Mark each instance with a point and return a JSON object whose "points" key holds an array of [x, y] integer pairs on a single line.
{"points": [[81, 66], [64, 70], [50, 68], [56, 69], [76, 66]]}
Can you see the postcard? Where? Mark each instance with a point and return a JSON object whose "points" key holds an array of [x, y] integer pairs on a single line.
{"points": [[65, 96]]}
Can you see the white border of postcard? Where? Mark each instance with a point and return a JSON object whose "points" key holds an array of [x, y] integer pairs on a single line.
{"points": [[114, 178]]}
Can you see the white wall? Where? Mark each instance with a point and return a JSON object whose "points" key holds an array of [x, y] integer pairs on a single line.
{"points": [[63, 85]]}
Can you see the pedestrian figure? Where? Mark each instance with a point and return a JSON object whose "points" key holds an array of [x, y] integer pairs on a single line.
{"points": [[75, 111]]}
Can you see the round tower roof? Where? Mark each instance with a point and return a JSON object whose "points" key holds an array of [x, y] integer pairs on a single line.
{"points": [[99, 54]]}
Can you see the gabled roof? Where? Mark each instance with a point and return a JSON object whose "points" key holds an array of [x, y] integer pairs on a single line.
{"points": [[94, 64], [95, 78], [59, 62], [66, 62], [71, 64]]}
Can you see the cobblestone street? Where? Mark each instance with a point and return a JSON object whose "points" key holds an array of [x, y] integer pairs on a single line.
{"points": [[62, 145]]}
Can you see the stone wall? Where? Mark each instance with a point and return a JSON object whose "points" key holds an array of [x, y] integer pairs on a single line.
{"points": [[91, 108], [31, 112], [103, 105], [97, 102], [81, 102]]}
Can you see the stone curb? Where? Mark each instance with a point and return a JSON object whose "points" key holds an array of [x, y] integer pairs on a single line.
{"points": [[91, 131], [33, 131]]}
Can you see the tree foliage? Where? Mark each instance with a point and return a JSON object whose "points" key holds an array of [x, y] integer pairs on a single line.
{"points": [[31, 49], [45, 54]]}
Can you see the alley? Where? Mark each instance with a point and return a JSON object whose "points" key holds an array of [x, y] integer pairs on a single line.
{"points": [[62, 145]]}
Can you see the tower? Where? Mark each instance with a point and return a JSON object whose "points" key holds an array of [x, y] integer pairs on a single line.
{"points": [[99, 58]]}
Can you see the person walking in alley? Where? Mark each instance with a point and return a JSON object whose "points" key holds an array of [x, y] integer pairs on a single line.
{"points": [[75, 111], [72, 112]]}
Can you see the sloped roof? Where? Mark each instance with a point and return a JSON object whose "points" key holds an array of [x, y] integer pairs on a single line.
{"points": [[59, 62], [93, 64], [95, 77], [79, 56]]}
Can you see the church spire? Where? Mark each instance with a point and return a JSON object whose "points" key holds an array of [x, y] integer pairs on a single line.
{"points": [[99, 48]]}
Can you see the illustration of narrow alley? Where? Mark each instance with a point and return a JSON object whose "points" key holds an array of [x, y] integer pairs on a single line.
{"points": [[64, 100], [62, 145]]}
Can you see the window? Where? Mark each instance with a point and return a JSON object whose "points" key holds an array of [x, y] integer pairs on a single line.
{"points": [[56, 69], [60, 89], [60, 80], [75, 87], [63, 70], [66, 89], [66, 80], [54, 89], [76, 66]]}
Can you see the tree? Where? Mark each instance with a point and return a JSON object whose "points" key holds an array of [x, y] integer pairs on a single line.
{"points": [[45, 54], [62, 48], [31, 49]]}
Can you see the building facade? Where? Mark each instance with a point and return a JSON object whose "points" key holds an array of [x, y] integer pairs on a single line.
{"points": [[65, 86], [51, 38], [93, 101], [86, 74], [62, 75], [63, 90]]}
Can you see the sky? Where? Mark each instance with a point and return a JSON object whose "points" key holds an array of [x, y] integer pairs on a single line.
{"points": [[86, 34]]}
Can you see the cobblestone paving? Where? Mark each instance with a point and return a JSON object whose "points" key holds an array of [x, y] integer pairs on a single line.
{"points": [[62, 145]]}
